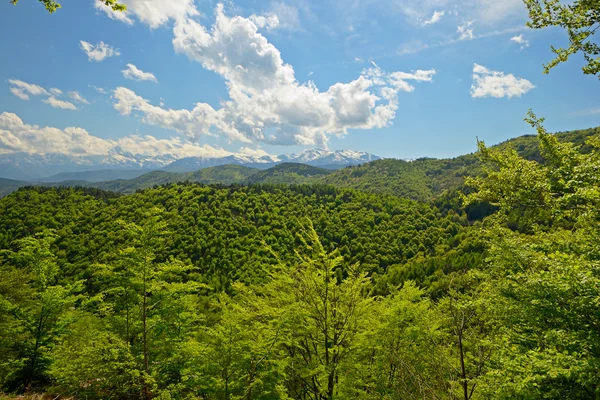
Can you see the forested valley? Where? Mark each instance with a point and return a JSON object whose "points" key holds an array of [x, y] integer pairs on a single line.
{"points": [[268, 291], [470, 278]]}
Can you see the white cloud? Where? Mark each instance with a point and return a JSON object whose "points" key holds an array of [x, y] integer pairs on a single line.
{"points": [[154, 13], [76, 96], [99, 89], [266, 103], [16, 136], [262, 21], [520, 40], [56, 103], [98, 52], [136, 74], [20, 93], [417, 46], [23, 89], [150, 146], [436, 17], [310, 73], [489, 12], [465, 32], [287, 16], [116, 15], [488, 83]]}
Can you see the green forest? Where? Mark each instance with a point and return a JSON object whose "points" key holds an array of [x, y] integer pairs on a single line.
{"points": [[470, 278], [488, 289]]}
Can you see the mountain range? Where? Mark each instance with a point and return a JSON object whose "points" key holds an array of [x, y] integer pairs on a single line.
{"points": [[424, 179], [119, 164]]}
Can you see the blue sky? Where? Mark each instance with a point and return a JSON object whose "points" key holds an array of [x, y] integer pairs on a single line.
{"points": [[398, 78]]}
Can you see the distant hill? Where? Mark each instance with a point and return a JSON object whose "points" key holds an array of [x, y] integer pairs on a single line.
{"points": [[288, 173], [223, 174], [95, 176], [8, 186]]}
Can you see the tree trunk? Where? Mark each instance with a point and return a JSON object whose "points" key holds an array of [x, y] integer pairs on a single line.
{"points": [[147, 394], [463, 373]]}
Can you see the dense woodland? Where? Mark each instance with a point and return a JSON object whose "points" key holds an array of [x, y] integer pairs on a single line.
{"points": [[486, 286], [471, 278]]}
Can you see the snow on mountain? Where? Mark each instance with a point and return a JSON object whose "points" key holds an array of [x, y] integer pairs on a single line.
{"points": [[24, 166], [320, 157], [27, 166]]}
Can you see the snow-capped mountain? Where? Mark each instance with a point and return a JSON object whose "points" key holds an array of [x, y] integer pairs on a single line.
{"points": [[316, 157], [326, 158], [195, 163], [25, 166]]}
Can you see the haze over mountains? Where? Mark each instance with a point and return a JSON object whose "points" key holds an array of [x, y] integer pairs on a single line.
{"points": [[119, 164]]}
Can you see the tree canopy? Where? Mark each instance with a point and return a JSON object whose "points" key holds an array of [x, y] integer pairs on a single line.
{"points": [[581, 20]]}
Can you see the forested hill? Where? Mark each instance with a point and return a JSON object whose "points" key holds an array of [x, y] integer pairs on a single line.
{"points": [[426, 178], [186, 291], [9, 185], [223, 174], [288, 173], [223, 231]]}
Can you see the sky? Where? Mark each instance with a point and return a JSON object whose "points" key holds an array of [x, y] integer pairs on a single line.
{"points": [[396, 78]]}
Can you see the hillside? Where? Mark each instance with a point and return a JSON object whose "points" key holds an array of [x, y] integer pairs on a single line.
{"points": [[288, 173], [259, 283], [9, 185], [95, 176], [223, 174], [428, 178]]}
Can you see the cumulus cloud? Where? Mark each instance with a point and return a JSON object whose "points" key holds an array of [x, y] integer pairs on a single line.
{"points": [[98, 52], [267, 104], [265, 21], [465, 32], [56, 103], [17, 136], [154, 13], [436, 17], [23, 89], [520, 40], [136, 74], [488, 83]]}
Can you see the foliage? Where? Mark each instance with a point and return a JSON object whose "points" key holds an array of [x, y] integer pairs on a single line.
{"points": [[51, 5], [581, 20], [288, 173], [313, 292], [544, 269]]}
